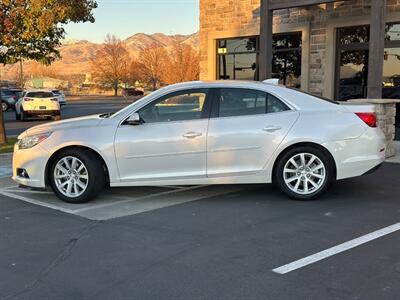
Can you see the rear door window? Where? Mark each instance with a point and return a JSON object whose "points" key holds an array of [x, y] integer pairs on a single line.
{"points": [[244, 102]]}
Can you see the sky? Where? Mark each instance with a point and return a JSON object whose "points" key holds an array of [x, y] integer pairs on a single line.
{"points": [[124, 18]]}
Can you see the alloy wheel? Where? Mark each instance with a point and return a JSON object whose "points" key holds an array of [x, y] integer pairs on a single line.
{"points": [[304, 173], [4, 106], [71, 176]]}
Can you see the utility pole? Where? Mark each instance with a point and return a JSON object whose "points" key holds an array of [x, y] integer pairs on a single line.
{"points": [[21, 74], [3, 137]]}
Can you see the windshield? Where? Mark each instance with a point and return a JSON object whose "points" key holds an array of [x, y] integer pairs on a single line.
{"points": [[39, 95]]}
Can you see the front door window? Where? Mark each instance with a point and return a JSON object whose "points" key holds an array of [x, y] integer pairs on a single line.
{"points": [[180, 106]]}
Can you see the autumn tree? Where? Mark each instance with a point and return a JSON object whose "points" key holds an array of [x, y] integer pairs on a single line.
{"points": [[33, 30], [110, 63], [134, 72], [153, 63], [182, 64]]}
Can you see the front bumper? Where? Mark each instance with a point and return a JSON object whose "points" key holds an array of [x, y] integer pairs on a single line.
{"points": [[34, 161]]}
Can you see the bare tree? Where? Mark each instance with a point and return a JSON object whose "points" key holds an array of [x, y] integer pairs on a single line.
{"points": [[109, 63], [182, 65], [134, 71], [153, 61]]}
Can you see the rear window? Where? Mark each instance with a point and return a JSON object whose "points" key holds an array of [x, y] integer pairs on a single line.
{"points": [[6, 92], [39, 95], [317, 97]]}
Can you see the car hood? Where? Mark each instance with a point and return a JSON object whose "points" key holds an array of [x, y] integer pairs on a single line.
{"points": [[82, 122]]}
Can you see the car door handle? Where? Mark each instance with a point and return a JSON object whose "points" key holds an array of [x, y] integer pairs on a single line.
{"points": [[192, 135], [272, 128]]}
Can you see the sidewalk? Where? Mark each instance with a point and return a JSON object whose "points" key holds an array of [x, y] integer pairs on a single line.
{"points": [[395, 159], [5, 165]]}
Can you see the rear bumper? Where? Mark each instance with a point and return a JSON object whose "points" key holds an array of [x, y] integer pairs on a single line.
{"points": [[374, 169], [356, 157], [42, 112]]}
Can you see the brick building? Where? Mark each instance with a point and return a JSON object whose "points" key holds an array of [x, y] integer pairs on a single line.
{"points": [[324, 48]]}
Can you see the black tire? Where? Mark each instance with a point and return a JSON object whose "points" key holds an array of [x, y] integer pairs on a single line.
{"points": [[56, 118], [17, 116], [23, 116], [323, 185], [96, 175], [5, 106]]}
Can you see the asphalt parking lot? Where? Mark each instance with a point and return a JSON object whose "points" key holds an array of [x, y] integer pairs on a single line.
{"points": [[229, 242], [199, 242]]}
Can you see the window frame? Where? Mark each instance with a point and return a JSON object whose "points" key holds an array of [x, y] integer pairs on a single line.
{"points": [[276, 51], [364, 46], [256, 52], [205, 113], [216, 93]]}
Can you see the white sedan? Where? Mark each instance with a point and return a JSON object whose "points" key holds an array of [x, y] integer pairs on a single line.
{"points": [[37, 104], [60, 96], [205, 133]]}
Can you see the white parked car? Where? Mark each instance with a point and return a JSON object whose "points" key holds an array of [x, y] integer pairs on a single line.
{"points": [[37, 104], [204, 133], [60, 96]]}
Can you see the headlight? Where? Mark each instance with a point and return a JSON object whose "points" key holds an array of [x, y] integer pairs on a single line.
{"points": [[33, 140]]}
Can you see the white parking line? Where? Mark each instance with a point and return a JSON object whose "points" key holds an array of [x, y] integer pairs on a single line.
{"points": [[336, 249], [37, 202], [21, 191], [131, 199]]}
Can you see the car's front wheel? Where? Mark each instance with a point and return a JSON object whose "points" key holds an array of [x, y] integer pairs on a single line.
{"points": [[76, 176], [4, 106], [304, 173]]}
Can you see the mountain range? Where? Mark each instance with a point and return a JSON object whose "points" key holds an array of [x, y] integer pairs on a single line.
{"points": [[75, 55]]}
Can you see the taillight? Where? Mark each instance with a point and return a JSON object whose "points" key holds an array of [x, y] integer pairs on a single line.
{"points": [[54, 99], [368, 118], [28, 99]]}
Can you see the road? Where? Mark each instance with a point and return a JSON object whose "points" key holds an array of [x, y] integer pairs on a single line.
{"points": [[212, 247], [74, 108]]}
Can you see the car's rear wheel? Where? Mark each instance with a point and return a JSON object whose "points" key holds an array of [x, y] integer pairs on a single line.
{"points": [[23, 116], [76, 176], [304, 173], [4, 106], [17, 116], [56, 117]]}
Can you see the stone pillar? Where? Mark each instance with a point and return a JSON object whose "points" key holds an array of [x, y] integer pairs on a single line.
{"points": [[266, 53], [386, 113]]}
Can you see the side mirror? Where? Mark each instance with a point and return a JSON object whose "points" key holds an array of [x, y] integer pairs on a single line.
{"points": [[134, 120]]}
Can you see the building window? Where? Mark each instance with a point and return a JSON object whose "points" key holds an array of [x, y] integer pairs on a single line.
{"points": [[238, 58], [286, 64], [352, 62]]}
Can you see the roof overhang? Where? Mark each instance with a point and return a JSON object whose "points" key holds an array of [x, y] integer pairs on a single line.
{"points": [[282, 4]]}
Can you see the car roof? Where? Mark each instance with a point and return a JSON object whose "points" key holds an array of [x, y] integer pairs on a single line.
{"points": [[297, 99]]}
